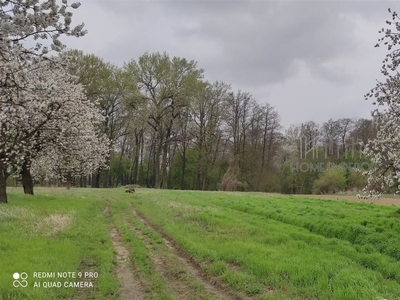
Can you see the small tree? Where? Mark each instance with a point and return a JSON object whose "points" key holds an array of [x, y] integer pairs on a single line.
{"points": [[72, 144], [75, 153]]}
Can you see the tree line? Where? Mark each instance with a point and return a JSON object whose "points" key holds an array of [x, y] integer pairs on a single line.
{"points": [[70, 117], [170, 128]]}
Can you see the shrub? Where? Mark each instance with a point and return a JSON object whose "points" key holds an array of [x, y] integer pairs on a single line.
{"points": [[330, 181], [230, 181], [356, 180]]}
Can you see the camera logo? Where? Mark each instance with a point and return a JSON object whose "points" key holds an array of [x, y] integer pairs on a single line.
{"points": [[20, 280]]}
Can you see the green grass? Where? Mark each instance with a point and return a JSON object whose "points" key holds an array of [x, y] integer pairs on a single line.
{"points": [[145, 243], [154, 285], [299, 248], [265, 245], [55, 231]]}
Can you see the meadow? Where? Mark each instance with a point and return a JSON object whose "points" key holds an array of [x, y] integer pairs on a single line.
{"points": [[247, 245]]}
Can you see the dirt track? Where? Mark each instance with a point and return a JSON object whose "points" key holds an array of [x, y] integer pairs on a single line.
{"points": [[185, 279], [130, 287], [177, 257], [381, 201]]}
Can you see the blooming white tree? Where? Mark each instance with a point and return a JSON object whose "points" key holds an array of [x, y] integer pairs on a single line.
{"points": [[69, 143], [54, 119], [29, 30], [384, 151], [77, 150]]}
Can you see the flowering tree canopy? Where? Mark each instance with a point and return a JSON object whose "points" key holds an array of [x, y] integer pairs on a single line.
{"points": [[39, 101], [77, 150], [384, 151], [22, 20]]}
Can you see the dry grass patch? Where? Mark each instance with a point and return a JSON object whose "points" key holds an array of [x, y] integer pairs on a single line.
{"points": [[8, 213], [52, 224], [34, 223]]}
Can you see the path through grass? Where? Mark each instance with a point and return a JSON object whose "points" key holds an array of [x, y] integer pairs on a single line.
{"points": [[197, 245]]}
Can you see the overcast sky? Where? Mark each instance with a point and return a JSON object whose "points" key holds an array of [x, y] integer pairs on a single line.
{"points": [[311, 60]]}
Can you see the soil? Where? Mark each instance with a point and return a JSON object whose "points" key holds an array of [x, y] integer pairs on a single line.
{"points": [[130, 287], [184, 277], [381, 201], [86, 265], [177, 265]]}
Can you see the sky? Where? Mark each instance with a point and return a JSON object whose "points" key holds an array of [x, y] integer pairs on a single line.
{"points": [[311, 60]]}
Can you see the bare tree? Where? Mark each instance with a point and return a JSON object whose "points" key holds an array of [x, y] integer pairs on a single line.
{"points": [[167, 86], [207, 118]]}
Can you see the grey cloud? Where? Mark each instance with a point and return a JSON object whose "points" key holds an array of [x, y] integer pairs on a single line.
{"points": [[266, 41], [253, 45], [258, 41]]}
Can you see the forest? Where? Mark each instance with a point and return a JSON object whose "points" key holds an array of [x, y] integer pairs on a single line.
{"points": [[170, 128]]}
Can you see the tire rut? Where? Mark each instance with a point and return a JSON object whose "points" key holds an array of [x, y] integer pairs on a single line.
{"points": [[187, 265], [130, 287], [129, 284], [180, 283]]}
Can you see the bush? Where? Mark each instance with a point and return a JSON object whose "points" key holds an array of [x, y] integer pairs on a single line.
{"points": [[230, 181], [356, 180], [331, 180]]}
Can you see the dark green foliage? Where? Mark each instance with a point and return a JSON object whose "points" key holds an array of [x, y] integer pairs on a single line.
{"points": [[185, 181]]}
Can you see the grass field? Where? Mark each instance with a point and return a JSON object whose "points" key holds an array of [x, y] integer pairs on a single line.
{"points": [[159, 244]]}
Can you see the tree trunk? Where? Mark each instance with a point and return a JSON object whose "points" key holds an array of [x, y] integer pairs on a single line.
{"points": [[105, 178], [148, 171], [96, 180], [69, 182], [205, 176], [140, 179], [164, 163], [108, 181], [157, 157], [136, 156], [183, 170], [3, 185], [27, 181]]}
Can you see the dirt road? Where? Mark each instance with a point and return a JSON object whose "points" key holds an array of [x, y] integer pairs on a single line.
{"points": [[382, 201]]}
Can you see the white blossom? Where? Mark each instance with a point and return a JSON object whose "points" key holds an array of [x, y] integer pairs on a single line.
{"points": [[384, 150], [37, 96]]}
